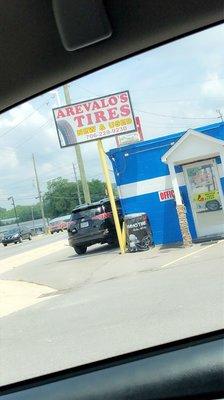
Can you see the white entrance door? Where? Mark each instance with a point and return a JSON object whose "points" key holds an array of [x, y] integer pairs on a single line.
{"points": [[206, 197]]}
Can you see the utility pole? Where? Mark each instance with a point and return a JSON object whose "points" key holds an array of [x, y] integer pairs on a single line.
{"points": [[82, 172], [33, 220], [15, 212], [77, 184], [39, 195], [220, 115]]}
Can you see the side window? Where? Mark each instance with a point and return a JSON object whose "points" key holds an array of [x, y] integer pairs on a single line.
{"points": [[107, 207], [99, 210], [118, 204], [73, 217]]}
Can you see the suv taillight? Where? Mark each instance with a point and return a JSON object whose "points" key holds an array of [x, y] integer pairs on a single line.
{"points": [[103, 216]]}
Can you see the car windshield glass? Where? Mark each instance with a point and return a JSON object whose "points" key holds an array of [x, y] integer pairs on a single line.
{"points": [[12, 232], [55, 221], [131, 156]]}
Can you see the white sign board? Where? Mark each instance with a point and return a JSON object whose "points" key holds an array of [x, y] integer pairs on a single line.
{"points": [[165, 195], [129, 138], [94, 119]]}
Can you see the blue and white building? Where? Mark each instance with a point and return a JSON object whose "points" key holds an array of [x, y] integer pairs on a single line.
{"points": [[183, 168]]}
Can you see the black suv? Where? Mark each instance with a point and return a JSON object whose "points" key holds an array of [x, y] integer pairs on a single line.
{"points": [[16, 235], [92, 223]]}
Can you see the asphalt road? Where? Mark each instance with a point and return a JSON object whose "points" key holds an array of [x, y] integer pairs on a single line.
{"points": [[38, 241], [106, 304]]}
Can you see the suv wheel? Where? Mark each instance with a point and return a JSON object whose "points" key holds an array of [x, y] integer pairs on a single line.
{"points": [[113, 243], [4, 244], [80, 249], [30, 237]]}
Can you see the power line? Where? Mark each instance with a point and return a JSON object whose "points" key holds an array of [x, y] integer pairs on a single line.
{"points": [[176, 116], [29, 180], [32, 136], [162, 115], [156, 87], [181, 83], [179, 100], [98, 175], [24, 119], [220, 115]]}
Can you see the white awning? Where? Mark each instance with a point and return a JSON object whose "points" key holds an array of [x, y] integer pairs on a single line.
{"points": [[193, 146]]}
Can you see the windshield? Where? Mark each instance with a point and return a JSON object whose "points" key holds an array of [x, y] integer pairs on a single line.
{"points": [[66, 218], [132, 157], [12, 232], [87, 213], [54, 221]]}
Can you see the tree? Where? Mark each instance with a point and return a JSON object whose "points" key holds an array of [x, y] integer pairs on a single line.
{"points": [[24, 213], [62, 195], [60, 198], [97, 190]]}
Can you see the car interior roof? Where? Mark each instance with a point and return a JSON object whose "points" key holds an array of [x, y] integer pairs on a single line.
{"points": [[33, 58]]}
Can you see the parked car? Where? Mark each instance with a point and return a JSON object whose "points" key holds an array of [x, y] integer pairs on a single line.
{"points": [[65, 221], [59, 224], [55, 225], [92, 223], [16, 235]]}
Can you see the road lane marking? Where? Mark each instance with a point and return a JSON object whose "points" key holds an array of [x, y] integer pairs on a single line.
{"points": [[192, 253], [17, 295], [18, 260]]}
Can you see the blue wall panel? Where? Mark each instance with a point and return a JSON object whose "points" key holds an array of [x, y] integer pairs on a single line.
{"points": [[162, 216], [141, 161], [222, 184], [137, 164]]}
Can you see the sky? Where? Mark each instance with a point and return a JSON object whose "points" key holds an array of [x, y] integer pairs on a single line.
{"points": [[174, 87]]}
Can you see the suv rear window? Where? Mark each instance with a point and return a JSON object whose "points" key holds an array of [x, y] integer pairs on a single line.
{"points": [[87, 213]]}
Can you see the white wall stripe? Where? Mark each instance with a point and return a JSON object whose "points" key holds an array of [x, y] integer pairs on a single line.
{"points": [[153, 185]]}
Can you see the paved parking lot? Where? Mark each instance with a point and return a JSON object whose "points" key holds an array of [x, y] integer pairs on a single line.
{"points": [[60, 309]]}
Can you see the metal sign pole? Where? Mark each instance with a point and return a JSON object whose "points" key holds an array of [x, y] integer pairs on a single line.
{"points": [[82, 172], [40, 196], [110, 194]]}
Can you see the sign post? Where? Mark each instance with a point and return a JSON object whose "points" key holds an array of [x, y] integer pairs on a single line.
{"points": [[96, 119], [110, 194], [82, 171]]}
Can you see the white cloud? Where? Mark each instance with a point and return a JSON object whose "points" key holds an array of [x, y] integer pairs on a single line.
{"points": [[46, 168], [24, 114], [8, 159], [159, 83], [213, 86], [3, 195]]}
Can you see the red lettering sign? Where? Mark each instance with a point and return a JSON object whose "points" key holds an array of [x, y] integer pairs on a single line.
{"points": [[165, 195], [74, 122]]}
